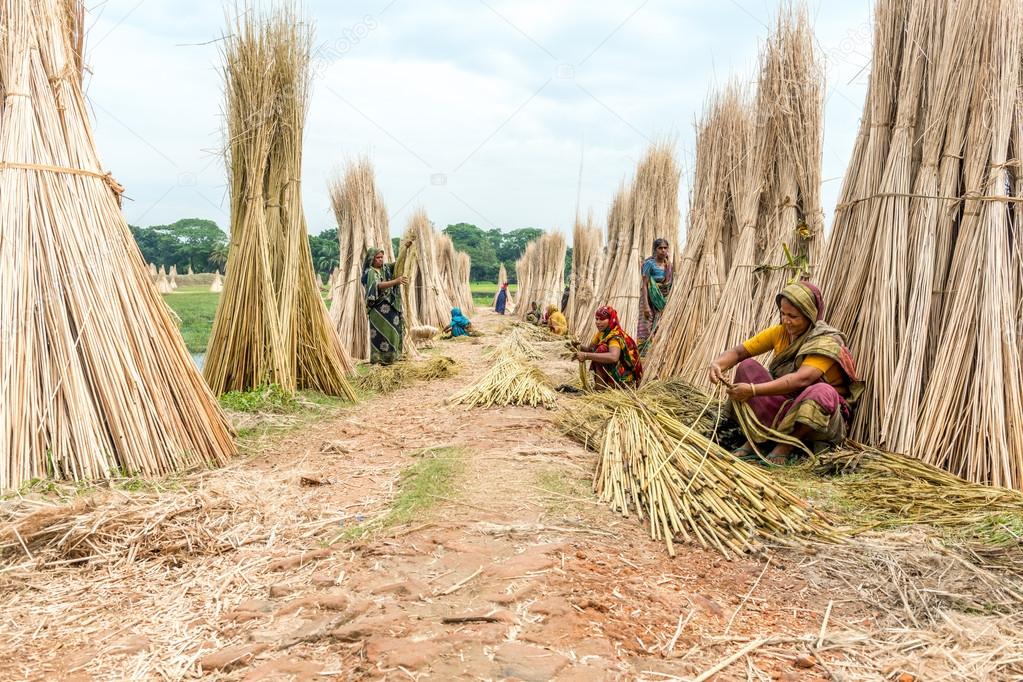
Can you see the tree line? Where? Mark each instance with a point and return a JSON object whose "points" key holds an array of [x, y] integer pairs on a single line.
{"points": [[202, 245]]}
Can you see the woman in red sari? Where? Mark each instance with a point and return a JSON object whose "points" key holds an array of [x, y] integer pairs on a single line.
{"points": [[613, 354], [811, 384]]}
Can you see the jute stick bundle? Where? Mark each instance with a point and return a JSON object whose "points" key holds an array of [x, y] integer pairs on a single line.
{"points": [[361, 223], [541, 272], [790, 104], [923, 260], [94, 376], [426, 298], [644, 212], [702, 269], [587, 261], [502, 279], [271, 325]]}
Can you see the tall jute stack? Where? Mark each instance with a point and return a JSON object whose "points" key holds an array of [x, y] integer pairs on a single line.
{"points": [[755, 218], [702, 268], [426, 298], [463, 271], [94, 376], [271, 325], [587, 260], [541, 272], [924, 257], [361, 223], [454, 273], [790, 107], [639, 215]]}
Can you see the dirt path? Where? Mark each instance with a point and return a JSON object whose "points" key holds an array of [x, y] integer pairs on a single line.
{"points": [[515, 572]]}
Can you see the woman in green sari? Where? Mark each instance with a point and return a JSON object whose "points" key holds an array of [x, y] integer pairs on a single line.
{"points": [[383, 303]]}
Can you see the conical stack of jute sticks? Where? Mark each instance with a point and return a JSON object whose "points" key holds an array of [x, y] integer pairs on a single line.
{"points": [[95, 378], [271, 325]]}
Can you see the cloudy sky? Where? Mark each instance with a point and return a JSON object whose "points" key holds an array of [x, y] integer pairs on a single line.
{"points": [[477, 110]]}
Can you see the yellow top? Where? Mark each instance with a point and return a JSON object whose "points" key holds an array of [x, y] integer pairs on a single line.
{"points": [[774, 338], [557, 322]]}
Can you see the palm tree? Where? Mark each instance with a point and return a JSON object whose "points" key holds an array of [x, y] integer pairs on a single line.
{"points": [[218, 255]]}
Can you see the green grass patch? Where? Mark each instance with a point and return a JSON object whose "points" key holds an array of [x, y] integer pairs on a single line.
{"points": [[481, 289], [421, 487], [271, 398], [562, 490], [196, 306]]}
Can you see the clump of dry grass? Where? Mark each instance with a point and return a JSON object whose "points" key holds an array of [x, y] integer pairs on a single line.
{"points": [[384, 379], [511, 381]]}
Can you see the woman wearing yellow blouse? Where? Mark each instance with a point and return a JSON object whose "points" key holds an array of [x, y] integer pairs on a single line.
{"points": [[811, 385], [556, 321]]}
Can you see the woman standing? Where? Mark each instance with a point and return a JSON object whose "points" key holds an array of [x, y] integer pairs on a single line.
{"points": [[502, 299], [657, 276], [613, 355], [811, 386], [383, 303]]}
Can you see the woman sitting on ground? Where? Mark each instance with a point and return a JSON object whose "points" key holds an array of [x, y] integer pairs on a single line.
{"points": [[460, 324], [533, 316], [613, 354], [556, 321], [811, 386]]}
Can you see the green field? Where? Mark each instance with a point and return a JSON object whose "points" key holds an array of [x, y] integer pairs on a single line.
{"points": [[196, 306]]}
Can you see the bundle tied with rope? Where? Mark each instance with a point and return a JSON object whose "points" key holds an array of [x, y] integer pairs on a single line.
{"points": [[116, 188]]}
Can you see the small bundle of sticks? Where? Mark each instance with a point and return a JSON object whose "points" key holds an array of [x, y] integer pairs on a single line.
{"points": [[511, 381]]}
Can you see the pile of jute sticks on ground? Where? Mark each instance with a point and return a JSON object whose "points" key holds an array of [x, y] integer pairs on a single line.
{"points": [[681, 482]]}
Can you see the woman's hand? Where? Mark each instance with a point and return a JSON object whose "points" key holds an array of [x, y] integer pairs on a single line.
{"points": [[401, 280], [581, 356], [740, 393], [715, 373]]}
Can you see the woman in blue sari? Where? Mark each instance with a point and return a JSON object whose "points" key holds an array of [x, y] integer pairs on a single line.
{"points": [[502, 299], [657, 276], [460, 324]]}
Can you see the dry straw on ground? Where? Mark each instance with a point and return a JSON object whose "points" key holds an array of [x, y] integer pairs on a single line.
{"points": [[95, 377], [271, 325]]}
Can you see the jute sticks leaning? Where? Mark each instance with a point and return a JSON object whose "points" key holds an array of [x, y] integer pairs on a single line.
{"points": [[95, 380], [587, 260], [271, 325], [541, 273], [755, 220], [361, 223], [924, 256], [641, 212]]}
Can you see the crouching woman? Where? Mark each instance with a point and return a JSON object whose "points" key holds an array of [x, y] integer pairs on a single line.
{"points": [[810, 387], [613, 354]]}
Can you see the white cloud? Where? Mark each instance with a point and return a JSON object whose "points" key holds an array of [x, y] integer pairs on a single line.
{"points": [[451, 88]]}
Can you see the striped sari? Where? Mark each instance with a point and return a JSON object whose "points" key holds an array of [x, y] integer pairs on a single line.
{"points": [[386, 318]]}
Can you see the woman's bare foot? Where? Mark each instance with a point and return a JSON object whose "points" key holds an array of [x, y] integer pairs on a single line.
{"points": [[780, 454], [746, 451]]}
